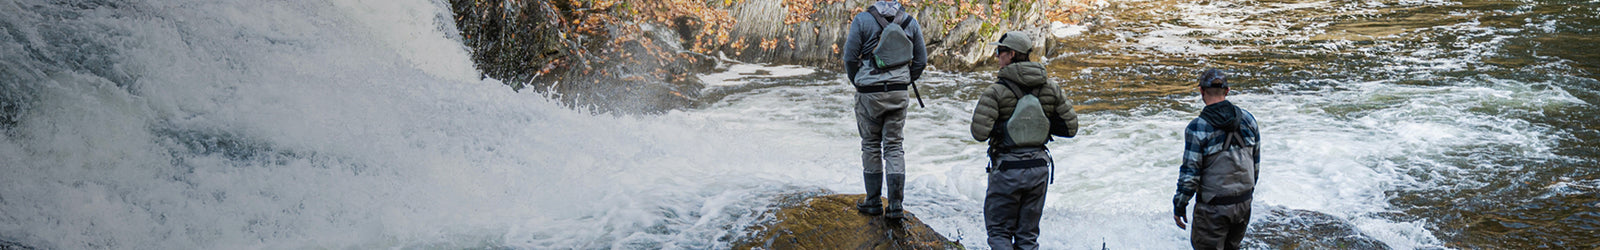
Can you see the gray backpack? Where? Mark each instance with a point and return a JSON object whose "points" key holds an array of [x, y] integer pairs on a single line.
{"points": [[894, 45], [1229, 176], [1028, 126]]}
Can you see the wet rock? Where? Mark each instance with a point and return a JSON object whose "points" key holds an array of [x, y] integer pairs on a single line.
{"points": [[809, 221], [10, 110], [1282, 228], [8, 245], [587, 54], [17, 94]]}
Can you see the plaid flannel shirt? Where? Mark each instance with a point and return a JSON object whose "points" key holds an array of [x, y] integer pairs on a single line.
{"points": [[1201, 139]]}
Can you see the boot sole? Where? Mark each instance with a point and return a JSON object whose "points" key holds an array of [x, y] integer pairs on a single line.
{"points": [[869, 211]]}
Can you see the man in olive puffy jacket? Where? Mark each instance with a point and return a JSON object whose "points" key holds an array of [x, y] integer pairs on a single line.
{"points": [[1014, 202]]}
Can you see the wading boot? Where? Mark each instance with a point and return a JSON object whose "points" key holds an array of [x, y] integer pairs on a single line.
{"points": [[897, 185], [872, 204]]}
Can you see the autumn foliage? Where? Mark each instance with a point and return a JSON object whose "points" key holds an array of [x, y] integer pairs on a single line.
{"points": [[607, 54], [609, 46]]}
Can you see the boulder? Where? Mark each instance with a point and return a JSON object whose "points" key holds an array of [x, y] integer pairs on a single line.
{"points": [[1283, 228], [807, 221]]}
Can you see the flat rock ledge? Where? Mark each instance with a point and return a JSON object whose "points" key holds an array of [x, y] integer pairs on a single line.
{"points": [[831, 222]]}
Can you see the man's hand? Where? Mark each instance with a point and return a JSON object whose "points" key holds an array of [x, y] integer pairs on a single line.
{"points": [[1180, 219]]}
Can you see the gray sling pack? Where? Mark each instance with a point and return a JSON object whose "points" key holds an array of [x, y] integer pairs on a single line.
{"points": [[1028, 126], [1229, 177]]}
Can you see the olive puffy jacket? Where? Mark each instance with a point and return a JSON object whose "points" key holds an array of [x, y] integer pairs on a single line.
{"points": [[997, 102]]}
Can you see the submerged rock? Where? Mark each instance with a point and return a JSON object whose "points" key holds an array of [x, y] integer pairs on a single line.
{"points": [[7, 245], [806, 221], [1282, 228]]}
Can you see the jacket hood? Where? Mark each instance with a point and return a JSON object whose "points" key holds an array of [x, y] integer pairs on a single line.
{"points": [[1026, 74], [1222, 115], [887, 8]]}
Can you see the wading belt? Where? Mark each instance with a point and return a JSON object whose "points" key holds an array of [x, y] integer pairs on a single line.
{"points": [[881, 88], [1022, 164], [1230, 200], [1034, 163]]}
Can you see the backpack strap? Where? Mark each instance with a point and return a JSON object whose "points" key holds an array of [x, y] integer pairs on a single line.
{"points": [[866, 53], [903, 20], [1236, 137], [882, 22], [1232, 139], [1014, 88]]}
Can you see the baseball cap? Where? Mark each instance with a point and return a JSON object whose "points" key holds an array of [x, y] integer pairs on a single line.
{"points": [[1213, 78], [1015, 40]]}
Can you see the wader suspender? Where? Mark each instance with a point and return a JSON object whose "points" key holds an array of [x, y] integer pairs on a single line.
{"points": [[1014, 88]]}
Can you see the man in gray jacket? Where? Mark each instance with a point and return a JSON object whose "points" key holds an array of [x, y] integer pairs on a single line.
{"points": [[1014, 202], [881, 99]]}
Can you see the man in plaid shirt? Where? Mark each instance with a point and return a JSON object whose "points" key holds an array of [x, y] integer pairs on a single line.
{"points": [[1220, 158]]}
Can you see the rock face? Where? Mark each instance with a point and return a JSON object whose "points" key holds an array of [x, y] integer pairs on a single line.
{"points": [[640, 56], [584, 53], [813, 32], [831, 222]]}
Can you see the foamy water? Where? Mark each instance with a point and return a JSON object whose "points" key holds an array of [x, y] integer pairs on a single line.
{"points": [[350, 124], [1115, 181]]}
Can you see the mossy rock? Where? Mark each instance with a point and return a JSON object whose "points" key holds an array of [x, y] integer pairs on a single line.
{"points": [[831, 222]]}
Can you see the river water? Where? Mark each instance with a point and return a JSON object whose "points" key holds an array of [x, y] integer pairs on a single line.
{"points": [[1457, 124], [361, 124]]}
